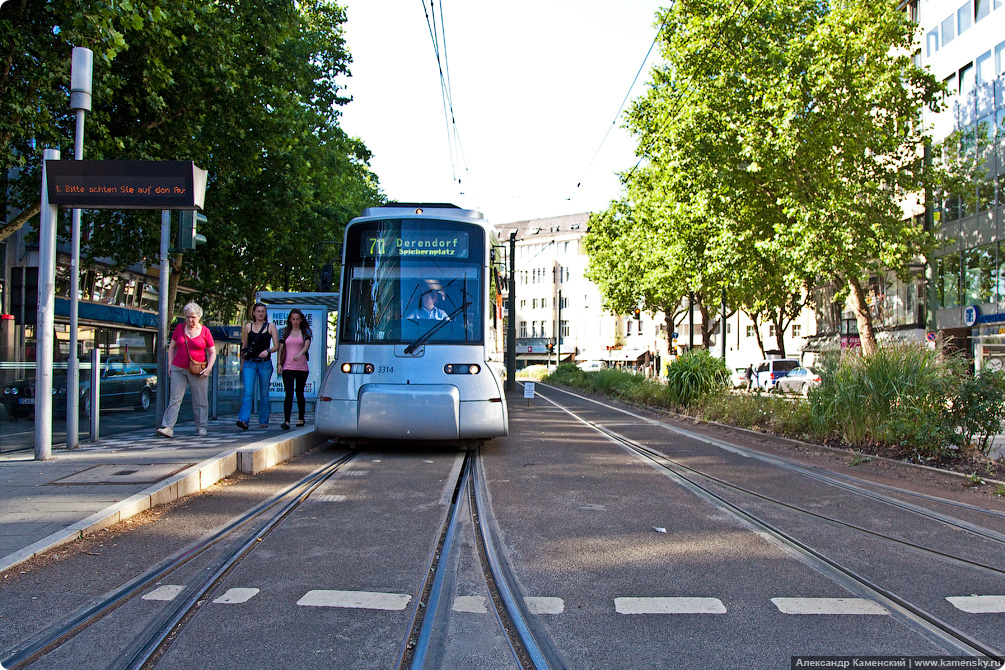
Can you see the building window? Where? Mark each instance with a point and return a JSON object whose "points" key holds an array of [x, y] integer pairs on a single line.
{"points": [[948, 30], [1000, 58], [565, 329], [982, 8], [751, 331], [533, 303], [968, 78], [523, 329], [533, 328], [984, 71], [797, 330], [628, 328], [948, 288], [523, 305], [544, 303], [999, 275], [965, 17], [977, 284], [771, 330], [933, 42], [640, 326]]}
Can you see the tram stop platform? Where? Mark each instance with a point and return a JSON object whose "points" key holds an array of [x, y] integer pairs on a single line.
{"points": [[44, 504]]}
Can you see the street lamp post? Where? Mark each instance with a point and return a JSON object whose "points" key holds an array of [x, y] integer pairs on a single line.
{"points": [[80, 101]]}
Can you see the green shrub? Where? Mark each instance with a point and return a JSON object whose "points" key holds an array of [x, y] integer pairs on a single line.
{"points": [[978, 409], [897, 396], [694, 375]]}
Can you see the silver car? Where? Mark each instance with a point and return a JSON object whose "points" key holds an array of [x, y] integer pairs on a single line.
{"points": [[800, 380]]}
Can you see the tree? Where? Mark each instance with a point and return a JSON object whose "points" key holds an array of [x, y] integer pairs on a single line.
{"points": [[782, 137], [246, 90]]}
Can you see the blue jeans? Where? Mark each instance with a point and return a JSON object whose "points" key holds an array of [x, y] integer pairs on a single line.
{"points": [[262, 371]]}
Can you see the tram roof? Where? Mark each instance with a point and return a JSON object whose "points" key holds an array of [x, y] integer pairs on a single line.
{"points": [[425, 208]]}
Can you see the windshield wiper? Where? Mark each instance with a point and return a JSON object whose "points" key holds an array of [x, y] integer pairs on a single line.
{"points": [[435, 328]]}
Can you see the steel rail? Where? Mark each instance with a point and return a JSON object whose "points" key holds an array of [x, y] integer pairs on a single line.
{"points": [[833, 478], [951, 639], [155, 644], [61, 632], [535, 642]]}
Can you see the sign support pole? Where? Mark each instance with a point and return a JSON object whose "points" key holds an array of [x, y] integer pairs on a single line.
{"points": [[511, 323], [163, 291], [80, 102], [45, 322]]}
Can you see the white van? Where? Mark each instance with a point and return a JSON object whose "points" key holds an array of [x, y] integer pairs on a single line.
{"points": [[591, 366], [768, 372]]}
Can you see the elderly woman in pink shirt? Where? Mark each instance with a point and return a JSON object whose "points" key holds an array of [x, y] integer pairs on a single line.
{"points": [[293, 356]]}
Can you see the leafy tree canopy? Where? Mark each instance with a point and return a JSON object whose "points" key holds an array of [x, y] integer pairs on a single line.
{"points": [[781, 137], [246, 89]]}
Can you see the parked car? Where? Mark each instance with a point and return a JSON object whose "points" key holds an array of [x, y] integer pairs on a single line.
{"points": [[800, 380], [123, 384], [771, 370], [738, 379]]}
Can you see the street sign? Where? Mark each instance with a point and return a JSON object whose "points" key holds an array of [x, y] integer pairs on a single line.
{"points": [[528, 390], [930, 336], [126, 184], [675, 335]]}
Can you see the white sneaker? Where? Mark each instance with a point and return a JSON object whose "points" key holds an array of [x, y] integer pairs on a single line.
{"points": [[203, 432], [166, 432]]}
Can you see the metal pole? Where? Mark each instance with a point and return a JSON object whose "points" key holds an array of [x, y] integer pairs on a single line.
{"points": [[95, 393], [73, 363], [723, 335], [214, 390], [44, 323], [511, 326], [163, 289], [690, 327], [558, 344], [81, 65]]}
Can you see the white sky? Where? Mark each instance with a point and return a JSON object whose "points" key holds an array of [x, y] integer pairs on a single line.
{"points": [[536, 85]]}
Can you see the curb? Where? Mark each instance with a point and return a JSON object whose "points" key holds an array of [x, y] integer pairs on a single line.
{"points": [[250, 459]]}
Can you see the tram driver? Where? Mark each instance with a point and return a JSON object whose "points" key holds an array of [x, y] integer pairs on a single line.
{"points": [[428, 308]]}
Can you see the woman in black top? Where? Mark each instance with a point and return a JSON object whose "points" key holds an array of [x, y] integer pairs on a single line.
{"points": [[259, 340]]}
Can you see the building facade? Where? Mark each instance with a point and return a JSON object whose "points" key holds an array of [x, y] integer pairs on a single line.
{"points": [[963, 44]]}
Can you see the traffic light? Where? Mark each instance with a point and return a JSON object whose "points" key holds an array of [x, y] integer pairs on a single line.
{"points": [[638, 314], [188, 225], [551, 347]]}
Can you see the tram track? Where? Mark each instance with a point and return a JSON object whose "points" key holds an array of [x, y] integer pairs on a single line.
{"points": [[950, 638], [527, 643], [243, 531]]}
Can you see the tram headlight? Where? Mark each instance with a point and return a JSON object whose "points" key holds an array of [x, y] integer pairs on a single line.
{"points": [[461, 369], [357, 368]]}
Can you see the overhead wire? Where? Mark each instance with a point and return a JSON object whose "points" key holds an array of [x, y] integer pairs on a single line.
{"points": [[438, 35], [681, 101], [621, 108]]}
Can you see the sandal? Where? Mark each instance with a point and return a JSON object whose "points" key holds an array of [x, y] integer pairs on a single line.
{"points": [[242, 425], [300, 423], [263, 425], [284, 425]]}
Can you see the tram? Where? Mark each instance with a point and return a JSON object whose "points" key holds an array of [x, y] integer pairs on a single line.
{"points": [[418, 352]]}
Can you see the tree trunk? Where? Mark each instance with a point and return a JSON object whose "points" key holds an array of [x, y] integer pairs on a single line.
{"points": [[863, 316], [780, 334]]}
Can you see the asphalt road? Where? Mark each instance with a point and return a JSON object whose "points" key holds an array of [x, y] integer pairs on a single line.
{"points": [[629, 568]]}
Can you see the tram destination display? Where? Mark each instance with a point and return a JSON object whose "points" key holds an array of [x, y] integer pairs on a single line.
{"points": [[442, 244], [125, 184]]}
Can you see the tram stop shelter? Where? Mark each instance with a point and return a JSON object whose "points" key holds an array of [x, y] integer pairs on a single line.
{"points": [[320, 310]]}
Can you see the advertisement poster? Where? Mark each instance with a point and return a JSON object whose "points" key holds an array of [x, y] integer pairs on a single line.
{"points": [[316, 317]]}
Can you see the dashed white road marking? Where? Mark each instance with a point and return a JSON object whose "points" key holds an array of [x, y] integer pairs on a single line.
{"points": [[236, 596], [979, 604], [669, 606], [165, 592], [544, 605], [332, 497], [828, 606], [472, 604], [355, 599]]}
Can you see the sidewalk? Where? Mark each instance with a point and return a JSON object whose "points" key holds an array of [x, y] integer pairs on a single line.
{"points": [[44, 504]]}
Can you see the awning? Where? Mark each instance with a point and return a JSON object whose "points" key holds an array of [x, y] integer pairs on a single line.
{"points": [[543, 357], [624, 354]]}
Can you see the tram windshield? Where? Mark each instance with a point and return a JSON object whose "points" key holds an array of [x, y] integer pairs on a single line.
{"points": [[413, 281]]}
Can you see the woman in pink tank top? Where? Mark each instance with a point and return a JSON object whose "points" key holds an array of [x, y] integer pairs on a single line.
{"points": [[294, 348]]}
